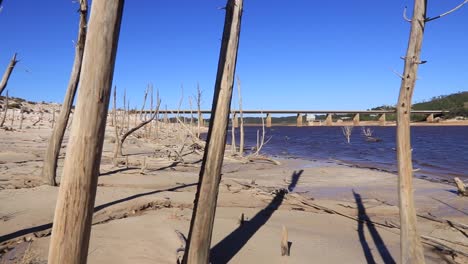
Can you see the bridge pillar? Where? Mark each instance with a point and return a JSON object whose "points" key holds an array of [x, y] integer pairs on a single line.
{"points": [[299, 120], [235, 120], [356, 119], [430, 118], [329, 120], [268, 120], [382, 119]]}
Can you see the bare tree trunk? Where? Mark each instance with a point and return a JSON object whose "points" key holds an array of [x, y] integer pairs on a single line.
{"points": [[233, 134], [4, 110], [117, 128], [21, 118], [241, 116], [74, 210], [49, 171], [410, 243], [53, 117], [201, 226], [12, 117], [200, 117], [7, 73], [120, 140]]}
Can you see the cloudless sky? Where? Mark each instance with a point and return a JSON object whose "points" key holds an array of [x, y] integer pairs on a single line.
{"points": [[296, 54]]}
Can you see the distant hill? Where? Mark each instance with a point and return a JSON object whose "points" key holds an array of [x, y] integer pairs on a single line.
{"points": [[456, 103]]}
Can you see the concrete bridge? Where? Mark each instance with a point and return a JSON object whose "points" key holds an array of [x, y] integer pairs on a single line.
{"points": [[300, 113]]}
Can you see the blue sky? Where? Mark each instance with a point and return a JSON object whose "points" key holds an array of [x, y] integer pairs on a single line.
{"points": [[292, 54]]}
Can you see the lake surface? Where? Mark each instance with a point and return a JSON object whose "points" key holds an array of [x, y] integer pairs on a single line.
{"points": [[439, 152]]}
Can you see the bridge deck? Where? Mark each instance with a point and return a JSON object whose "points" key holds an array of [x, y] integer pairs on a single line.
{"points": [[304, 111]]}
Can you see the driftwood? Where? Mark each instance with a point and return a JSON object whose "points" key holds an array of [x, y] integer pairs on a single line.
{"points": [[183, 242], [6, 75], [201, 225], [49, 170], [461, 188], [75, 202]]}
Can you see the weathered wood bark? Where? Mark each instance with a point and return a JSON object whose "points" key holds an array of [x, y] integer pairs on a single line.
{"points": [[241, 116], [49, 171], [5, 110], [410, 243], [6, 75], [201, 225], [75, 202]]}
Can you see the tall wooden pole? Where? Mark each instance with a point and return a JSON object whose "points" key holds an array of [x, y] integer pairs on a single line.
{"points": [[241, 114], [75, 202], [49, 170], [6, 75], [201, 226], [411, 248]]}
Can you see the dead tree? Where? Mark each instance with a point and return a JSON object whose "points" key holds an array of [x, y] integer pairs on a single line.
{"points": [[4, 110], [21, 118], [6, 75], [201, 225], [49, 171], [200, 116], [119, 140], [347, 130], [410, 243], [233, 133], [241, 116], [75, 202]]}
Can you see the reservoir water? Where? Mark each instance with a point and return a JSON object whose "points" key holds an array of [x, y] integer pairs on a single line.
{"points": [[439, 152]]}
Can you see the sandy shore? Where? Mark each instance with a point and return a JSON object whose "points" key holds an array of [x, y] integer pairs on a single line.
{"points": [[333, 213]]}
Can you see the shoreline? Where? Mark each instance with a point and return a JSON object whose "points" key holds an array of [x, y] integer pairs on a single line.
{"points": [[369, 123], [324, 206]]}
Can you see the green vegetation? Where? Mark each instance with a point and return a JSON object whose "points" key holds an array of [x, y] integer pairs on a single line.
{"points": [[456, 103]]}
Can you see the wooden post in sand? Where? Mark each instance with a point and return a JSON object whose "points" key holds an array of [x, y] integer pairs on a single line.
{"points": [[6, 75], [53, 148], [75, 202], [410, 243], [284, 242], [201, 226]]}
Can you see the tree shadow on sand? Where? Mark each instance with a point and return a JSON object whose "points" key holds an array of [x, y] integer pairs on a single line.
{"points": [[364, 219], [44, 227], [226, 249]]}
